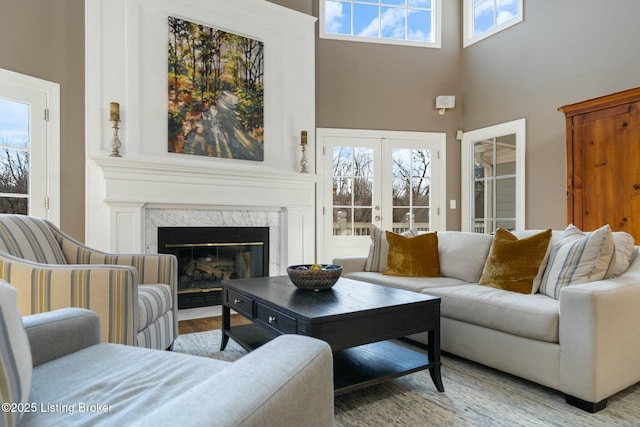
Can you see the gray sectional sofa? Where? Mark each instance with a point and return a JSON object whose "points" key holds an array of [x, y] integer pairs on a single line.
{"points": [[585, 344]]}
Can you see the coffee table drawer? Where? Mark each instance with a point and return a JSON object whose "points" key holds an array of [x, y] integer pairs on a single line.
{"points": [[239, 302], [277, 320]]}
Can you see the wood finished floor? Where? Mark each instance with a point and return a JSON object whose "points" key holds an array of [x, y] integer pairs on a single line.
{"points": [[207, 324]]}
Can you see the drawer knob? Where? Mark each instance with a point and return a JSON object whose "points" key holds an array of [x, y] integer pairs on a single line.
{"points": [[237, 301], [271, 319]]}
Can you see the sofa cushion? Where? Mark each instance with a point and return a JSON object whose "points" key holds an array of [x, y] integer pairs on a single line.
{"points": [[533, 316], [29, 238], [413, 256], [578, 257], [379, 248], [15, 356], [416, 284], [129, 381], [463, 254], [513, 263]]}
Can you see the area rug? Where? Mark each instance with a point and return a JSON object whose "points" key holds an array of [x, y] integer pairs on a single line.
{"points": [[474, 396]]}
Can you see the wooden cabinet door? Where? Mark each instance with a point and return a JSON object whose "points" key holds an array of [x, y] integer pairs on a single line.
{"points": [[606, 169], [603, 162]]}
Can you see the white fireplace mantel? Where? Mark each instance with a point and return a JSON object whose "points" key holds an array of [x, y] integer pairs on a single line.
{"points": [[158, 180], [133, 186]]}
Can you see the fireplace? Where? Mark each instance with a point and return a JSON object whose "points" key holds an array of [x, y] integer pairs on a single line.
{"points": [[208, 255]]}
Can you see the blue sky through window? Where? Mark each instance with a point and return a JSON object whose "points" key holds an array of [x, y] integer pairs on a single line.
{"points": [[391, 19], [14, 123], [491, 13]]}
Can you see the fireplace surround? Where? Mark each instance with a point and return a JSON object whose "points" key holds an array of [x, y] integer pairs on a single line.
{"points": [[208, 255]]}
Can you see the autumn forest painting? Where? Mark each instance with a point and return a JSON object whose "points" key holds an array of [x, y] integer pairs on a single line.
{"points": [[216, 92]]}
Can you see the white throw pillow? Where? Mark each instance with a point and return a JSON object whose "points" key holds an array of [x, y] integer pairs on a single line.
{"points": [[578, 257], [16, 367], [379, 249], [625, 252], [463, 254]]}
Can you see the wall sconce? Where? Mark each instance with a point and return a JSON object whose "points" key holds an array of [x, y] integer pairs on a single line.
{"points": [[444, 102]]}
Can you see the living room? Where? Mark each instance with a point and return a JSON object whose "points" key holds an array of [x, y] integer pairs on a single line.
{"points": [[580, 51]]}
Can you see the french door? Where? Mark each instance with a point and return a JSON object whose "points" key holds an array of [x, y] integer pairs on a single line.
{"points": [[393, 180]]}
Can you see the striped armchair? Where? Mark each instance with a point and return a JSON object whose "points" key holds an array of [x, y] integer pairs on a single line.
{"points": [[135, 296]]}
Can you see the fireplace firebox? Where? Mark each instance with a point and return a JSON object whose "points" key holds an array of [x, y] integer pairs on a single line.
{"points": [[208, 255]]}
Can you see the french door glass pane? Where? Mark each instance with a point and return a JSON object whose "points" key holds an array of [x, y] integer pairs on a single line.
{"points": [[14, 157], [411, 187], [352, 170]]}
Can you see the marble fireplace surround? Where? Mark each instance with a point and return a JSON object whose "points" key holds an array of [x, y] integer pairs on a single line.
{"points": [[156, 217]]}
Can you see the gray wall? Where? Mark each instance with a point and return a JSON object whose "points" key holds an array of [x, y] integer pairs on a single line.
{"points": [[45, 39], [564, 52]]}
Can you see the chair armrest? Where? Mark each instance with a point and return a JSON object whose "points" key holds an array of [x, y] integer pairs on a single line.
{"points": [[286, 382], [351, 264], [600, 336], [110, 291], [57, 333]]}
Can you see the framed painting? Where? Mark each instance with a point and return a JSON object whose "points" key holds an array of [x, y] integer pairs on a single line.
{"points": [[216, 92]]}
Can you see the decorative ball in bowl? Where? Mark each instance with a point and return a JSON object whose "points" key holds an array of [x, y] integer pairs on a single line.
{"points": [[314, 277]]}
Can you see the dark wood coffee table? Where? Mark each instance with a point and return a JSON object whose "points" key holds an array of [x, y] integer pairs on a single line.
{"points": [[357, 319]]}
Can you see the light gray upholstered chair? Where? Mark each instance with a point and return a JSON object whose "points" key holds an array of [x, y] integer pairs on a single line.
{"points": [[135, 295], [55, 372]]}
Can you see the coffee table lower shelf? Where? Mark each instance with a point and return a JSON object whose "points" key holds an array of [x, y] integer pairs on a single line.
{"points": [[353, 368]]}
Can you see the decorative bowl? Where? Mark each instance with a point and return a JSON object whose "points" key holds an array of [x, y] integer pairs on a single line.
{"points": [[304, 277]]}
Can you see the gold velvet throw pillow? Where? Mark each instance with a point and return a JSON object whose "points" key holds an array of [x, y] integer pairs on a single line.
{"points": [[512, 264], [413, 256]]}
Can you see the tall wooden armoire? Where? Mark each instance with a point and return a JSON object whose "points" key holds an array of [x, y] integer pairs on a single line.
{"points": [[603, 162]]}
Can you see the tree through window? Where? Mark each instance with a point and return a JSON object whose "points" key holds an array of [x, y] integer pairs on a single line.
{"points": [[14, 157]]}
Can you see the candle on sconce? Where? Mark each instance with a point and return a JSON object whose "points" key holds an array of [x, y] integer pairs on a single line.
{"points": [[114, 112], [303, 145]]}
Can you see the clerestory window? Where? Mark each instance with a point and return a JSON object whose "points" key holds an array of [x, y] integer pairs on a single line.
{"points": [[483, 18], [405, 22]]}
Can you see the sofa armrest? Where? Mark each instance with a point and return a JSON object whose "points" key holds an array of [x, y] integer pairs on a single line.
{"points": [[351, 264], [57, 333], [600, 336], [286, 382]]}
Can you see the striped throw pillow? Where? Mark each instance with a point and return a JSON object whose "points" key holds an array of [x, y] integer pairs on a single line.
{"points": [[379, 248], [15, 356], [578, 257]]}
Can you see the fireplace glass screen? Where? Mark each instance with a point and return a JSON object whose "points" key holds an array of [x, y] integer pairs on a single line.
{"points": [[209, 255]]}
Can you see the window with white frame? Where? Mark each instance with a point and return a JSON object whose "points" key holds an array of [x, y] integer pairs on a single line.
{"points": [[492, 178], [483, 18], [404, 22]]}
